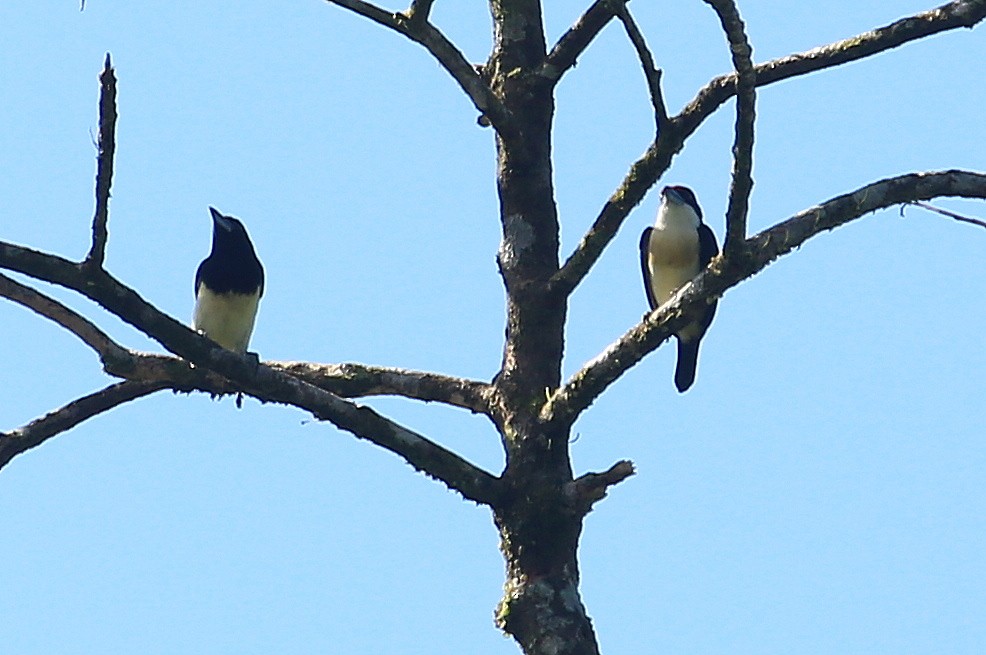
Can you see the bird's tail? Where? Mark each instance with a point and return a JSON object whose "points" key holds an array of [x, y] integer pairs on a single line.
{"points": [[684, 373]]}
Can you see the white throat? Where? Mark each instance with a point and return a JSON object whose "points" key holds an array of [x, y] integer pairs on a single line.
{"points": [[673, 216]]}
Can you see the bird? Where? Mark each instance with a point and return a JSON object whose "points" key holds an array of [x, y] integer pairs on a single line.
{"points": [[673, 252], [228, 286]]}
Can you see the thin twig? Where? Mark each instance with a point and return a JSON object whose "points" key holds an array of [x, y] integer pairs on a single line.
{"points": [[651, 72], [36, 432], [945, 212], [104, 163], [746, 98], [450, 58]]}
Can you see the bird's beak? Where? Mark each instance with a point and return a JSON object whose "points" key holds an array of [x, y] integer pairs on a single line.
{"points": [[672, 195], [220, 220]]}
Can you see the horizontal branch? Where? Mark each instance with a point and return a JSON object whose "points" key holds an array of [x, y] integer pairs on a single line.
{"points": [[645, 172], [587, 384], [565, 53], [36, 432], [417, 28], [344, 380], [359, 380], [263, 382]]}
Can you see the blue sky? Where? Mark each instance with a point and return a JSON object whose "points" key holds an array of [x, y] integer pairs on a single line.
{"points": [[819, 490]]}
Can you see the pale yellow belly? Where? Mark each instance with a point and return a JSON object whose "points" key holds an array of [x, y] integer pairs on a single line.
{"points": [[226, 318], [672, 261]]}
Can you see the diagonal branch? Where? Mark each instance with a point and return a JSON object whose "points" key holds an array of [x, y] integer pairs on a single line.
{"points": [[746, 99], [36, 432], [645, 172], [263, 382], [104, 163], [651, 72], [949, 16], [565, 405], [92, 336], [642, 175], [117, 360], [566, 51], [452, 60], [945, 212]]}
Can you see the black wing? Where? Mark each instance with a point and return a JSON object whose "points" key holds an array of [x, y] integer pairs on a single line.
{"points": [[707, 249], [199, 273], [707, 246], [644, 268]]}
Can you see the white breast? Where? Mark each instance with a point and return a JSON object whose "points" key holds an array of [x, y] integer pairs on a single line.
{"points": [[673, 255]]}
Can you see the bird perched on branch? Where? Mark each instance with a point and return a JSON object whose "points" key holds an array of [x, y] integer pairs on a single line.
{"points": [[673, 252], [228, 286]]}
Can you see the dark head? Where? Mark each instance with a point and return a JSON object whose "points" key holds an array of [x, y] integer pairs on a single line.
{"points": [[681, 195], [228, 234]]}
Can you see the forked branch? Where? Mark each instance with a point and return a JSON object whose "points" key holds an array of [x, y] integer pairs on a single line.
{"points": [[263, 382], [760, 250], [420, 31], [645, 172], [565, 53]]}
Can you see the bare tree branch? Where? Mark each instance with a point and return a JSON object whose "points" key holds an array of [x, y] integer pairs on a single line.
{"points": [[588, 489], [759, 250], [949, 16], [746, 99], [36, 432], [260, 381], [645, 172], [104, 163], [359, 380], [565, 53], [945, 212], [344, 380], [105, 347], [642, 175], [452, 60], [419, 10], [651, 72]]}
